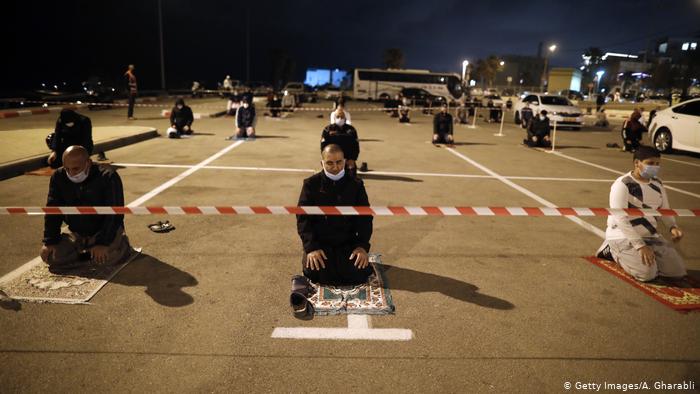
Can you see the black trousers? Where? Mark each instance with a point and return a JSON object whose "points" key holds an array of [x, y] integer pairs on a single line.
{"points": [[340, 270], [130, 111]]}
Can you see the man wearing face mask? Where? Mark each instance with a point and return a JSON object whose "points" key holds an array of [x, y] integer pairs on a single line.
{"points": [[335, 247], [443, 127], [91, 238], [341, 133], [538, 131], [635, 243], [181, 119], [71, 129], [245, 120]]}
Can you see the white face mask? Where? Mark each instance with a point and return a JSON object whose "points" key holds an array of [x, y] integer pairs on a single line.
{"points": [[82, 175], [245, 105], [335, 177], [542, 117], [340, 121], [70, 124], [179, 107]]}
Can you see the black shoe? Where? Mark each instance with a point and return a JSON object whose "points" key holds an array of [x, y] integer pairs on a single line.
{"points": [[363, 167], [604, 252], [101, 157]]}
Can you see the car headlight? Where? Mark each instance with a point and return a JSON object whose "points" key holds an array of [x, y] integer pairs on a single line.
{"points": [[554, 112]]}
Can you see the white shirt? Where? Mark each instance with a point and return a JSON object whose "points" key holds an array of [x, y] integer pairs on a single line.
{"points": [[627, 192], [347, 117]]}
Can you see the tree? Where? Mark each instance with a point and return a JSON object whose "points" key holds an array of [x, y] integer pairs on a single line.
{"points": [[282, 67], [486, 69], [595, 56], [393, 58]]}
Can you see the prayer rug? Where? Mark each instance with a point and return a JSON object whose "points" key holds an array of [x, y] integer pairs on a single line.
{"points": [[76, 286], [371, 298], [683, 296]]}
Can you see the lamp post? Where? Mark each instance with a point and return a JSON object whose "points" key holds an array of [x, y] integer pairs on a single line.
{"points": [[551, 48], [465, 64], [599, 76]]}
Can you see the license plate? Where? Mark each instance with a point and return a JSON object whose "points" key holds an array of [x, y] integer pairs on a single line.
{"points": [[569, 119]]}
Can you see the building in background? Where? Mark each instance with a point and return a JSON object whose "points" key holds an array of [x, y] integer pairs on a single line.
{"points": [[325, 77], [563, 79]]}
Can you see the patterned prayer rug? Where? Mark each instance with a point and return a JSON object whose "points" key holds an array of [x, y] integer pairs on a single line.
{"points": [[683, 296], [371, 298], [76, 286]]}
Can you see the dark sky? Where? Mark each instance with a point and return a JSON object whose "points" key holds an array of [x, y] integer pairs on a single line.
{"points": [[205, 39]]}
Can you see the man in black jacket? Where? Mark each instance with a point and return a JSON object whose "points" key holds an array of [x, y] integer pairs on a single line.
{"points": [[335, 247], [91, 238], [344, 135], [71, 129], [181, 118], [245, 120], [442, 127], [538, 131]]}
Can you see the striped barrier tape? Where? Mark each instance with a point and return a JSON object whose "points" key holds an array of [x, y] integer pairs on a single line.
{"points": [[75, 104], [347, 210]]}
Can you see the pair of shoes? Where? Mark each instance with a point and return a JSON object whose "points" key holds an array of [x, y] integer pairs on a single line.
{"points": [[161, 227], [298, 299], [363, 167]]}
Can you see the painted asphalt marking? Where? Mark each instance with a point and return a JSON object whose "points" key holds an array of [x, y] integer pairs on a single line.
{"points": [[37, 260], [584, 224], [619, 173], [358, 329], [396, 173], [682, 162]]}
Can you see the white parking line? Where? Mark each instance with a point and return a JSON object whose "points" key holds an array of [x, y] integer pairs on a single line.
{"points": [[395, 173], [37, 260], [593, 229], [619, 173], [358, 329], [682, 162]]}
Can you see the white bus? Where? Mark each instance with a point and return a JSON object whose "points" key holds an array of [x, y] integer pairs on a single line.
{"points": [[381, 84]]}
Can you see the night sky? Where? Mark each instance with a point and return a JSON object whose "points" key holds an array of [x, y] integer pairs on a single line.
{"points": [[205, 40]]}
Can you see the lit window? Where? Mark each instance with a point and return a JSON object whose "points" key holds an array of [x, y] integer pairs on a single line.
{"points": [[693, 45], [685, 46], [663, 47]]}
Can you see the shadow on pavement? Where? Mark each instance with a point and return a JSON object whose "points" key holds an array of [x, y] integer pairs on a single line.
{"points": [[377, 177], [370, 140], [164, 283], [421, 282]]}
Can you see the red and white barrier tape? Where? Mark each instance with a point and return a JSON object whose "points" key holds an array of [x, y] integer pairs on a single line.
{"points": [[348, 210]]}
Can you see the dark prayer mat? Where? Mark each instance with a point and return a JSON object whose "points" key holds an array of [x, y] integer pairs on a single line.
{"points": [[371, 298]]}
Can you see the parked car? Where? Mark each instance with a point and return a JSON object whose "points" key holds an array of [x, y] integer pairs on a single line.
{"points": [[421, 97], [495, 99], [677, 127], [303, 93], [558, 108]]}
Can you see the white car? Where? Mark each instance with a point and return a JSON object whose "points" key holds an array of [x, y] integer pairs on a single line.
{"points": [[677, 127], [495, 99], [295, 88], [558, 108]]}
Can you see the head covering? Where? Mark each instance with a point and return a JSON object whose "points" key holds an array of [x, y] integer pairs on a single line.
{"points": [[68, 116], [544, 112], [180, 101], [636, 114]]}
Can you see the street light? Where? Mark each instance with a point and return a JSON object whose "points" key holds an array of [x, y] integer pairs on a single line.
{"points": [[465, 64], [502, 63], [552, 48], [599, 75]]}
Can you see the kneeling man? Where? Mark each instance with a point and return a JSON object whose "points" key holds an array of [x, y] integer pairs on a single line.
{"points": [[91, 238], [335, 247], [635, 243]]}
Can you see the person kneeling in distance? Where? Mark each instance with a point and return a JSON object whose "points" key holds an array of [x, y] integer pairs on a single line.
{"points": [[181, 119]]}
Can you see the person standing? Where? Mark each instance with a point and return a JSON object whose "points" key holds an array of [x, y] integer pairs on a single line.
{"points": [[132, 90]]}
